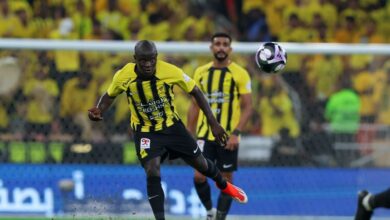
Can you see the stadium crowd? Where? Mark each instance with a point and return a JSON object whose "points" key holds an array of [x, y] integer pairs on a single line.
{"points": [[56, 88]]}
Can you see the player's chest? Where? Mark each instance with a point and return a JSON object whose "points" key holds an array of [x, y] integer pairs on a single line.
{"points": [[148, 89], [217, 81]]}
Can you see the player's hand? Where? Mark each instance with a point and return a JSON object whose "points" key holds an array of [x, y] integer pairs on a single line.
{"points": [[219, 133], [233, 142], [95, 114]]}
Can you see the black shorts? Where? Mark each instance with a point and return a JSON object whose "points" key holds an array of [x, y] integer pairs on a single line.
{"points": [[173, 142], [226, 160]]}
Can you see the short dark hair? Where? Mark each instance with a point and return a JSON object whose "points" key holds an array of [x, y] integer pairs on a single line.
{"points": [[221, 34], [145, 47]]}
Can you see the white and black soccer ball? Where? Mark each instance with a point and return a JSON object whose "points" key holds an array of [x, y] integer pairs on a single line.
{"points": [[271, 57]]}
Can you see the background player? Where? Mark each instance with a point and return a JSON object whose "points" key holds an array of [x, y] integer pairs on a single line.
{"points": [[158, 130], [227, 87]]}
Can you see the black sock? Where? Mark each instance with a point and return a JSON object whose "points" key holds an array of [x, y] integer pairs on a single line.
{"points": [[380, 200], [156, 196], [223, 207], [213, 173], [203, 190]]}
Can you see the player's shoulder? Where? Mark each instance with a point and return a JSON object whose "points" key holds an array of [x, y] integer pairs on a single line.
{"points": [[127, 71], [203, 68], [167, 70], [162, 65], [129, 67], [236, 68]]}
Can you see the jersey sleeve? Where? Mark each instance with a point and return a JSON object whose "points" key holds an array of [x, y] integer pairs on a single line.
{"points": [[244, 83], [197, 77], [116, 86], [184, 81]]}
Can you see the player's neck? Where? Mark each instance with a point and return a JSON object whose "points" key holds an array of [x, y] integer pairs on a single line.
{"points": [[221, 64]]}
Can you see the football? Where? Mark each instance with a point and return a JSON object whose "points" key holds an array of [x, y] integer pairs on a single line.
{"points": [[271, 57]]}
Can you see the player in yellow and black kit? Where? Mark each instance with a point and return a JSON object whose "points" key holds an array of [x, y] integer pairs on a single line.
{"points": [[158, 130], [227, 87]]}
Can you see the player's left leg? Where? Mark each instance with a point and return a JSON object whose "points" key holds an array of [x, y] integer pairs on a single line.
{"points": [[224, 200], [368, 202], [209, 169], [227, 162], [155, 192], [200, 181]]}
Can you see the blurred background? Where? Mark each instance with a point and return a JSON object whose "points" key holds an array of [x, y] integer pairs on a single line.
{"points": [[301, 154]]}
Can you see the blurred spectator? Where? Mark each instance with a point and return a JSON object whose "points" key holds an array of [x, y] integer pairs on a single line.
{"points": [[67, 63], [4, 121], [294, 31], [78, 94], [370, 33], [276, 110], [343, 113], [257, 28], [365, 84], [7, 18], [23, 27], [322, 73], [348, 31], [111, 17], [82, 20], [96, 31], [42, 19], [40, 92], [384, 110]]}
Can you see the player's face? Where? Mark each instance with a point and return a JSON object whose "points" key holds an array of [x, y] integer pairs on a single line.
{"points": [[221, 48], [146, 64]]}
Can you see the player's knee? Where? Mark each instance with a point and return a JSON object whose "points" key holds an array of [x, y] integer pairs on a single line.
{"points": [[211, 169], [152, 170]]}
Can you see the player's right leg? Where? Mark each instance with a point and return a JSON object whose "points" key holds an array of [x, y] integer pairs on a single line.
{"points": [[149, 148], [155, 192]]}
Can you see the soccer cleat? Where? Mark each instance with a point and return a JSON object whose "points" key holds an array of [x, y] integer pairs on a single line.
{"points": [[211, 214], [362, 213], [235, 192]]}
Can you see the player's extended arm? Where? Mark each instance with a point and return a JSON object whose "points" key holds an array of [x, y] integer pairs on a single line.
{"points": [[96, 113], [217, 130], [192, 117], [246, 110]]}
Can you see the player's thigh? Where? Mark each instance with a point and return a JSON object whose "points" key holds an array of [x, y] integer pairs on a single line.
{"points": [[148, 146], [208, 149], [227, 160], [180, 143]]}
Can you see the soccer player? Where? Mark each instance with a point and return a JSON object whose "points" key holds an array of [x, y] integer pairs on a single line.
{"points": [[227, 87], [158, 130], [368, 202]]}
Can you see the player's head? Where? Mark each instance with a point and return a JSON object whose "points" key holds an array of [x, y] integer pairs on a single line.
{"points": [[221, 46], [145, 55]]}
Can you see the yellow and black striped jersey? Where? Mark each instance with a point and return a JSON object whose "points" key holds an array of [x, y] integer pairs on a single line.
{"points": [[222, 88], [151, 101]]}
